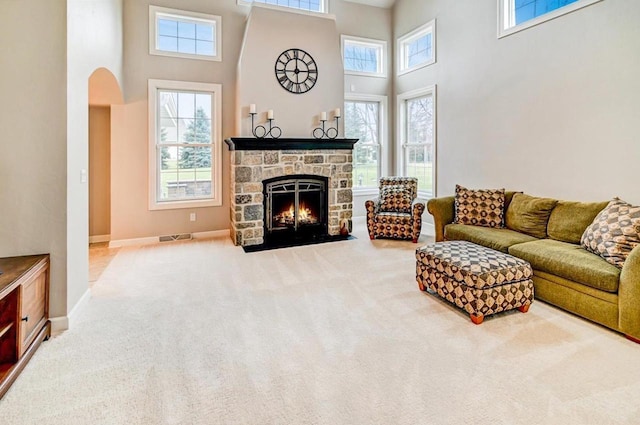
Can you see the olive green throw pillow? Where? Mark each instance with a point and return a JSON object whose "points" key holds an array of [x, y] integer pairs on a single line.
{"points": [[529, 215], [569, 220]]}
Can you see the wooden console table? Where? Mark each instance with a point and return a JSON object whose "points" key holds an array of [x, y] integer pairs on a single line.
{"points": [[24, 313]]}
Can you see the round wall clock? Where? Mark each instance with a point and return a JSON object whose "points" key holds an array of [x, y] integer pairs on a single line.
{"points": [[296, 71]]}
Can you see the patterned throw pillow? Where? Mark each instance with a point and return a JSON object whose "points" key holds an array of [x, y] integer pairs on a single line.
{"points": [[480, 207], [395, 198], [614, 232]]}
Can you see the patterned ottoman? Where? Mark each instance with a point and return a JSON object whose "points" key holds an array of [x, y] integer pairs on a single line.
{"points": [[480, 280]]}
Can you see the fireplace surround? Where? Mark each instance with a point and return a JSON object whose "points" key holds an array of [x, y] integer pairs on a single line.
{"points": [[274, 167]]}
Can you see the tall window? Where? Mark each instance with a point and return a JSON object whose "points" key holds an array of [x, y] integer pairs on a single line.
{"points": [[516, 15], [185, 138], [417, 48], [184, 34], [417, 117], [363, 120], [362, 56], [309, 5]]}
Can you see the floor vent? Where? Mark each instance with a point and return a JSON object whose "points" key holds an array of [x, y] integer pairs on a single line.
{"points": [[181, 237]]}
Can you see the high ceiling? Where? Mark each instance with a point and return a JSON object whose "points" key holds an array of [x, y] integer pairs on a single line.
{"points": [[377, 3]]}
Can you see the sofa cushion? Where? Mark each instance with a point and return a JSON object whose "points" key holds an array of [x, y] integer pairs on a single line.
{"points": [[498, 239], [569, 261], [395, 198], [569, 220], [614, 232], [479, 207], [528, 214]]}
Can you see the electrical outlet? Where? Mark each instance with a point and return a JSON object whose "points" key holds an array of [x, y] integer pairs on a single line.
{"points": [[192, 217], [83, 176]]}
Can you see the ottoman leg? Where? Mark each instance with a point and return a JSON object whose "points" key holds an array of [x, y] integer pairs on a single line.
{"points": [[524, 308], [421, 286], [476, 319]]}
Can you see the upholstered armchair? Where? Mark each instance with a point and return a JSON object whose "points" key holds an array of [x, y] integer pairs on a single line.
{"points": [[395, 214]]}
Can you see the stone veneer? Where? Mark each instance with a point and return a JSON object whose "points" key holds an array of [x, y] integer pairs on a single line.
{"points": [[250, 167]]}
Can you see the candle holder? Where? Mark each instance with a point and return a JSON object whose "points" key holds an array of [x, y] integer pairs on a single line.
{"points": [[261, 132], [329, 133]]}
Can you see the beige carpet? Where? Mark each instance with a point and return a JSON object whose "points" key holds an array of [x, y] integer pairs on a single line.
{"points": [[202, 333]]}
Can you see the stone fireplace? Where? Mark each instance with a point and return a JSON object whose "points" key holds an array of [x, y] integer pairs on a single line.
{"points": [[289, 188]]}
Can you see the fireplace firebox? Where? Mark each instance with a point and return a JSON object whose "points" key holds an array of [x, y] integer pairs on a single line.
{"points": [[295, 208]]}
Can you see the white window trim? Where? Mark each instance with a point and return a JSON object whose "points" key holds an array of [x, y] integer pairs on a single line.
{"points": [[323, 3], [506, 16], [410, 36], [154, 11], [402, 135], [383, 158], [369, 42], [216, 144]]}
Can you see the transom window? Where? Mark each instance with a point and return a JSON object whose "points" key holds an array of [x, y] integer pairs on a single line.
{"points": [[417, 48], [418, 147], [516, 15], [362, 56], [184, 158], [184, 34], [363, 120], [308, 5]]}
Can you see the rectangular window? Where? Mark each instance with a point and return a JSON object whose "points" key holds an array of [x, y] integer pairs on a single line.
{"points": [[362, 56], [185, 144], [516, 15], [417, 48], [308, 5], [184, 34], [364, 118], [418, 148]]}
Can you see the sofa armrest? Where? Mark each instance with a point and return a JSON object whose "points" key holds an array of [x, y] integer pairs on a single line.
{"points": [[629, 295], [443, 212]]}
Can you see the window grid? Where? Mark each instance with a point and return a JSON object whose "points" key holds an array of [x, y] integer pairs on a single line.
{"points": [[526, 10], [308, 5], [185, 36], [517, 15], [364, 56], [417, 48], [363, 122]]}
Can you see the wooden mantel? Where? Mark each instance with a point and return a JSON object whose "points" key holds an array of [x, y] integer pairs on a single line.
{"points": [[254, 144]]}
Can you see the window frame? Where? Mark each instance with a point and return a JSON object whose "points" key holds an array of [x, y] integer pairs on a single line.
{"points": [[186, 16], [405, 40], [381, 45], [216, 144], [402, 134], [323, 3], [383, 154], [506, 16]]}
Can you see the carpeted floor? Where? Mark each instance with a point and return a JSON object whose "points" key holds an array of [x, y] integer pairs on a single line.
{"points": [[201, 333]]}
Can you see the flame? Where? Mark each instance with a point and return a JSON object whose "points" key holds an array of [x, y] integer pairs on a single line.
{"points": [[304, 214]]}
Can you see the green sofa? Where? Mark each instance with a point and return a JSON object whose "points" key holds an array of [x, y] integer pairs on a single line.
{"points": [[565, 274]]}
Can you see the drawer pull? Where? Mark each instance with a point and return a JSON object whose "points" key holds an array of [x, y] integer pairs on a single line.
{"points": [[25, 319]]}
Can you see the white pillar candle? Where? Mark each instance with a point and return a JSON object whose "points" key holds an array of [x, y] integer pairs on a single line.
{"points": [[323, 116], [336, 113], [252, 108], [270, 114]]}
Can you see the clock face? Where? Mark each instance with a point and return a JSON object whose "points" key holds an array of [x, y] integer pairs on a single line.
{"points": [[296, 71]]}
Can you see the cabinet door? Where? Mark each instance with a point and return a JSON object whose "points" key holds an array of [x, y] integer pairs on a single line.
{"points": [[33, 308]]}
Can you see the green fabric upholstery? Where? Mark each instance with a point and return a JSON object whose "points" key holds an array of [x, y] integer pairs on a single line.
{"points": [[528, 214], [569, 220], [629, 294], [443, 211], [566, 297], [498, 239], [569, 261]]}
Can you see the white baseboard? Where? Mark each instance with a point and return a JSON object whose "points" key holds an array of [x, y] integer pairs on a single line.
{"points": [[212, 234], [134, 242], [156, 239], [63, 323], [99, 238]]}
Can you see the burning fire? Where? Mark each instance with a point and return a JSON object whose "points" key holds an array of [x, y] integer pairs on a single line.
{"points": [[287, 216]]}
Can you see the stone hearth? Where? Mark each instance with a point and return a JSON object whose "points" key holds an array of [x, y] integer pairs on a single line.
{"points": [[253, 161]]}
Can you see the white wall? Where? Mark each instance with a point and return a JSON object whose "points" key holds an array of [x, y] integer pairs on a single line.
{"points": [[33, 216], [296, 114], [551, 110], [94, 40]]}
